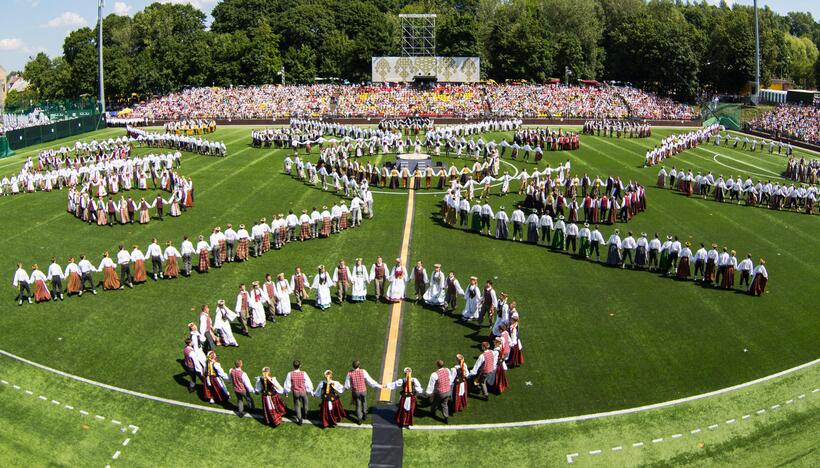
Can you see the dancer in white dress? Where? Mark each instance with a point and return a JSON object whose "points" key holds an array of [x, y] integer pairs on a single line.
{"points": [[322, 283], [282, 292], [222, 323], [472, 298], [436, 291], [360, 280], [258, 298], [398, 281]]}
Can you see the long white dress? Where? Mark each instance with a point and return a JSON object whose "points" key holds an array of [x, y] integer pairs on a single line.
{"points": [[282, 292], [322, 283], [398, 281], [198, 355], [258, 297], [222, 323], [435, 290], [472, 297], [360, 278]]}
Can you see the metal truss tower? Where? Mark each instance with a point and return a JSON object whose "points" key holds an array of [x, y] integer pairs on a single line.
{"points": [[418, 35]]}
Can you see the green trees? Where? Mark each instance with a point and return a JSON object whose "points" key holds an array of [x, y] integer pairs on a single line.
{"points": [[671, 47]]}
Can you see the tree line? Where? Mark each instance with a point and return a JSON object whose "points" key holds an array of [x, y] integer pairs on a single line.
{"points": [[674, 48]]}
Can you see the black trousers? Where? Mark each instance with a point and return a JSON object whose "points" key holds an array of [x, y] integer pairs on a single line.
{"points": [[156, 265], [56, 286], [23, 285], [570, 241], [125, 273], [87, 278]]}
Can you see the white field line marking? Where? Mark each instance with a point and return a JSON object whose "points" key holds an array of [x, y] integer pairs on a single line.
{"points": [[541, 422], [117, 454], [789, 402], [4, 382], [775, 406], [570, 457], [769, 175], [674, 436], [16, 387]]}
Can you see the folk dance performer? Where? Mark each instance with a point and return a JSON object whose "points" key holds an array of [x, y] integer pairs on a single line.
{"points": [[38, 279], [187, 251], [171, 254], [281, 292], [154, 252], [516, 357], [243, 307], [436, 293], [360, 280], [298, 383], [321, 284], [299, 286], [745, 267], [258, 297], [488, 302], [483, 372], [410, 388], [222, 324], [140, 275], [328, 391], [472, 300], [440, 387], [378, 273], [124, 261], [108, 267], [460, 381], [74, 283], [398, 280], [241, 387], [55, 274], [419, 280], [684, 271], [759, 279], [203, 250], [86, 269], [614, 249], [452, 290], [356, 381], [215, 390], [273, 408], [729, 267], [501, 382], [341, 278]]}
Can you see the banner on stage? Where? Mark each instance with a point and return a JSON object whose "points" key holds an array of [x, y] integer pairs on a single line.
{"points": [[446, 69]]}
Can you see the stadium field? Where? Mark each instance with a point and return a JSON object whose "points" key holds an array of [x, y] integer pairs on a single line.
{"points": [[596, 339]]}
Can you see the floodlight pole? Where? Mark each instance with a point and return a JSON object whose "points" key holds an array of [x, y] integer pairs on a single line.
{"points": [[756, 96], [100, 5]]}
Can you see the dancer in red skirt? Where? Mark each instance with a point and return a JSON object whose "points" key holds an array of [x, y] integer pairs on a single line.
{"points": [[460, 389], [203, 249], [516, 357], [215, 390], [501, 382], [410, 387], [328, 391], [759, 279], [273, 408], [38, 280]]}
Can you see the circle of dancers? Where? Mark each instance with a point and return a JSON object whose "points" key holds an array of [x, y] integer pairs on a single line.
{"points": [[448, 388]]}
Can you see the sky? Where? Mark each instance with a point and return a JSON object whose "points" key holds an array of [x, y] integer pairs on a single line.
{"points": [[32, 26]]}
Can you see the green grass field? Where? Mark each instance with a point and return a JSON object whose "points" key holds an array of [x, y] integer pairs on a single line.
{"points": [[595, 339]]}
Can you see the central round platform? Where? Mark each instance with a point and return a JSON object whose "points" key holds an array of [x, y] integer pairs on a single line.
{"points": [[413, 161]]}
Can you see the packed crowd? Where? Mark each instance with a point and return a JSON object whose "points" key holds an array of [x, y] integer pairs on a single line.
{"points": [[800, 197], [264, 302], [190, 127], [796, 122], [9, 122], [391, 100]]}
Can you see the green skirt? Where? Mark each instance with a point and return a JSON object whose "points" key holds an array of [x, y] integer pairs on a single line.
{"points": [[476, 222], [664, 266], [583, 249], [558, 239]]}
